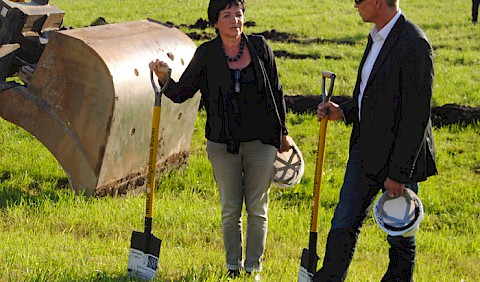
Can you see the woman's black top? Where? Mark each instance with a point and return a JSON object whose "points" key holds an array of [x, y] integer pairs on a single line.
{"points": [[257, 112]]}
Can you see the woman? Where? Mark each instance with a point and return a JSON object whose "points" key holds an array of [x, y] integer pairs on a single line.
{"points": [[237, 77]]}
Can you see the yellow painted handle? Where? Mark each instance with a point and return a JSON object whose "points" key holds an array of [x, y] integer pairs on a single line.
{"points": [[152, 164], [317, 184]]}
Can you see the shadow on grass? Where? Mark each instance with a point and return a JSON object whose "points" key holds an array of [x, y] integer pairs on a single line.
{"points": [[13, 193], [191, 275], [293, 198]]}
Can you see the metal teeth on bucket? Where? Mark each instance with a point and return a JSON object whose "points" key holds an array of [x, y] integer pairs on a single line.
{"points": [[90, 102]]}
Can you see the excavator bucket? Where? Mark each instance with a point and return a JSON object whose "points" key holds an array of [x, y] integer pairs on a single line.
{"points": [[89, 100]]}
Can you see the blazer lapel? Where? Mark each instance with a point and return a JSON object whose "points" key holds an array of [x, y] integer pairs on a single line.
{"points": [[362, 62], [365, 54], [387, 46]]}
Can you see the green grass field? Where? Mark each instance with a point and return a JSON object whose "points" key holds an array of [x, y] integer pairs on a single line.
{"points": [[47, 233]]}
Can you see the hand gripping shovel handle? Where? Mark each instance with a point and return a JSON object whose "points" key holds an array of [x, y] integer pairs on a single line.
{"points": [[158, 93], [308, 265], [145, 247]]}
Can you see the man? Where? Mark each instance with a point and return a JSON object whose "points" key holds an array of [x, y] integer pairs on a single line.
{"points": [[475, 4], [391, 145]]}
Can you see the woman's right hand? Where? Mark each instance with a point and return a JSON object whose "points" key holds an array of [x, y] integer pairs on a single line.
{"points": [[160, 68]]}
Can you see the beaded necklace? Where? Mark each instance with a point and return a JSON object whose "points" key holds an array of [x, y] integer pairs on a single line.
{"points": [[239, 54]]}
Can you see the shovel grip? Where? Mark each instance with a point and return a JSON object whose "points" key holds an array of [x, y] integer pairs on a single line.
{"points": [[158, 92], [326, 95], [328, 74]]}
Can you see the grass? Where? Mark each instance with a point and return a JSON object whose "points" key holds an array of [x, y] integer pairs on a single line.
{"points": [[47, 233], [447, 25]]}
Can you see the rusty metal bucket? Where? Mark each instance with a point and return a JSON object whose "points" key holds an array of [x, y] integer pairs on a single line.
{"points": [[90, 103]]}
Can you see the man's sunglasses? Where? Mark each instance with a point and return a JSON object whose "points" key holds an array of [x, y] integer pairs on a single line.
{"points": [[358, 2]]}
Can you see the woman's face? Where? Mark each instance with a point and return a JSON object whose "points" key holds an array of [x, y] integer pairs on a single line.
{"points": [[230, 21]]}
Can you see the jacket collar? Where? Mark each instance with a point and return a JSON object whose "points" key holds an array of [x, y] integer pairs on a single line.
{"points": [[391, 40]]}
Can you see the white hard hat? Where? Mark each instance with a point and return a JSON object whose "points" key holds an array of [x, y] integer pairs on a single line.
{"points": [[288, 167], [399, 216]]}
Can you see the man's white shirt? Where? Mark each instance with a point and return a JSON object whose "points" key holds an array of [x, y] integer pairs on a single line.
{"points": [[378, 38]]}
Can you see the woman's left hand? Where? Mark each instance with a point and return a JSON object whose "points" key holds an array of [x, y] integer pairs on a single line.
{"points": [[285, 146]]}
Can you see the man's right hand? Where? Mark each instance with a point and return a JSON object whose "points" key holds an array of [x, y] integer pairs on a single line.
{"points": [[333, 110]]}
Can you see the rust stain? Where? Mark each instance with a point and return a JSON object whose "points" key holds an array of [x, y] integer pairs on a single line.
{"points": [[135, 183]]}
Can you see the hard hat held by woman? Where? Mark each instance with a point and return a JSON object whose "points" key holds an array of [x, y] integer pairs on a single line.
{"points": [[288, 167]]}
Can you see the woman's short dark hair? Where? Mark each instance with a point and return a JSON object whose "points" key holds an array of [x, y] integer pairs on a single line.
{"points": [[215, 6]]}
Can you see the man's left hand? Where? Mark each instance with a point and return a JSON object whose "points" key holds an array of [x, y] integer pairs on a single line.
{"points": [[393, 187]]}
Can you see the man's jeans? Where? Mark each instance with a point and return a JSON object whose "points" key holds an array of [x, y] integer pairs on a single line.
{"points": [[475, 4], [356, 197]]}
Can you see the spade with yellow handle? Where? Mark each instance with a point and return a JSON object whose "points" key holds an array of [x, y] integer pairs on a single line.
{"points": [[308, 265], [144, 246]]}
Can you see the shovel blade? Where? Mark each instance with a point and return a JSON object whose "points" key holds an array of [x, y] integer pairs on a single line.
{"points": [[304, 275], [308, 266], [143, 258]]}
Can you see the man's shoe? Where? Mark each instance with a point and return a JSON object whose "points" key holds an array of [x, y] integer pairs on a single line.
{"points": [[233, 273], [255, 276]]}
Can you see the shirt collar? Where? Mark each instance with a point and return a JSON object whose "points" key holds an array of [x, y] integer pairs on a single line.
{"points": [[383, 33]]}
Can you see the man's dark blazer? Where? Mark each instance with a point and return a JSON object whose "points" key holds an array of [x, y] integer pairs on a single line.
{"points": [[395, 133]]}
